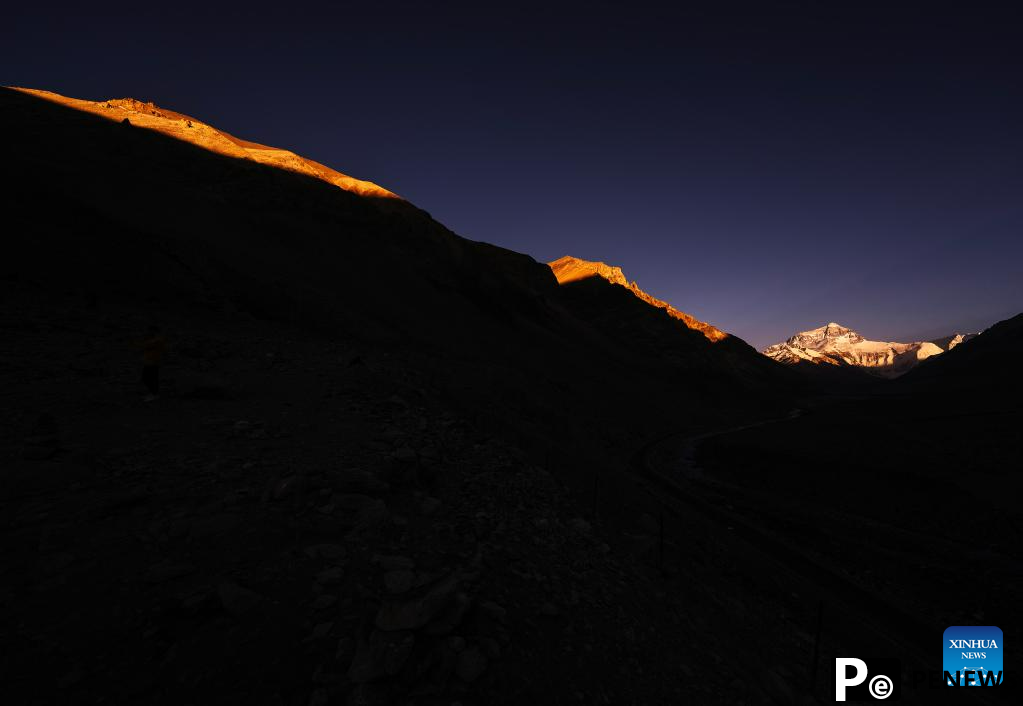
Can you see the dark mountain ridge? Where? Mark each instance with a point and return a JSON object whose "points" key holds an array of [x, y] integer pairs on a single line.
{"points": [[111, 211], [382, 457]]}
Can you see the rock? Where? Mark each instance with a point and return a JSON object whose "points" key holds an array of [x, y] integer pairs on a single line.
{"points": [[193, 604], [218, 525], [208, 387], [284, 488], [71, 678], [370, 695], [399, 581], [357, 481], [325, 551], [413, 614], [399, 401], [491, 647], [494, 611], [649, 524], [351, 358], [236, 600], [40, 452], [203, 386], [549, 610], [580, 525], [321, 630], [345, 649], [393, 563], [54, 564], [43, 438], [372, 516], [322, 602], [404, 454], [471, 664], [429, 505], [159, 573], [449, 618], [330, 576], [43, 430], [383, 654], [390, 434], [361, 512], [352, 502], [777, 687]]}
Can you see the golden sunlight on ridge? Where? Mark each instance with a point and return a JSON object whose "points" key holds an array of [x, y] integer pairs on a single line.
{"points": [[571, 269], [188, 129]]}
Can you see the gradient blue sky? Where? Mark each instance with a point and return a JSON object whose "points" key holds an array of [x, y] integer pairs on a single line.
{"points": [[768, 167]]}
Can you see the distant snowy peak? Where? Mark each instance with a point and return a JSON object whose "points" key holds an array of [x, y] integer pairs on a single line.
{"points": [[834, 344], [829, 335], [947, 343]]}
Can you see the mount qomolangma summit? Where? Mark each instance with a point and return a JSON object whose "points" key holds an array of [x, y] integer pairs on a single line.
{"points": [[837, 345]]}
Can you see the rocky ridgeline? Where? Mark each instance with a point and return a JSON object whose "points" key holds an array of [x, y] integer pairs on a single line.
{"points": [[570, 269]]}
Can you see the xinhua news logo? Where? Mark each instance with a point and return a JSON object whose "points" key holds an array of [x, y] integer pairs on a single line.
{"points": [[972, 655], [868, 679]]}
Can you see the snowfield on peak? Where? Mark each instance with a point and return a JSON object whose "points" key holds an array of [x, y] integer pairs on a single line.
{"points": [[834, 344]]}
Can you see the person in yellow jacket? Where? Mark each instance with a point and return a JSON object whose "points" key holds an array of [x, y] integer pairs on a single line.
{"points": [[153, 347]]}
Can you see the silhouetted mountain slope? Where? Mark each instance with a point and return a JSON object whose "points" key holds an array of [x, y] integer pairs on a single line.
{"points": [[985, 366], [116, 212], [367, 473], [655, 330], [162, 219], [571, 269], [188, 129]]}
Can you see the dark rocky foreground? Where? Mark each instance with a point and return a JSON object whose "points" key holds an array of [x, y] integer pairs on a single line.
{"points": [[389, 464], [297, 521], [394, 466]]}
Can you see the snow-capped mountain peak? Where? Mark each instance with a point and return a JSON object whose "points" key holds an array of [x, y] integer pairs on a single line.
{"points": [[834, 344], [829, 334]]}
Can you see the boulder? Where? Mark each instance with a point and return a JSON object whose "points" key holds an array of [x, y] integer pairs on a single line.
{"points": [[414, 613], [236, 600], [383, 654]]}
